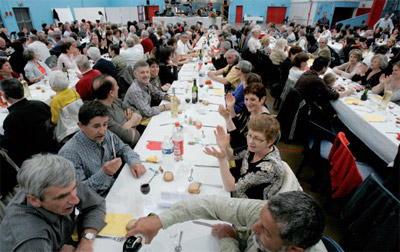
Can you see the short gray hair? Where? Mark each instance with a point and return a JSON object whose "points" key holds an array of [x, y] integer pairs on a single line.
{"points": [[82, 61], [301, 220], [44, 170], [140, 63], [29, 54], [58, 80], [130, 42], [150, 29], [93, 53], [226, 45], [383, 62], [245, 66], [302, 32], [33, 37], [145, 33], [40, 33], [233, 52], [142, 26]]}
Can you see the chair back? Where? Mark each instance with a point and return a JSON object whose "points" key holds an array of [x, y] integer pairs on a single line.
{"points": [[68, 121], [8, 181], [124, 80], [331, 245]]}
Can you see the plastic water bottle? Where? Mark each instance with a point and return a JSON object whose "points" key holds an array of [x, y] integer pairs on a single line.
{"points": [[177, 140], [167, 149]]}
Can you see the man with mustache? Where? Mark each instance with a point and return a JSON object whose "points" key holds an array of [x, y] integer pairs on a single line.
{"points": [[97, 153], [50, 204], [290, 221]]}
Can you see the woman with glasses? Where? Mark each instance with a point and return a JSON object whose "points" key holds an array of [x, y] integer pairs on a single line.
{"points": [[261, 173], [254, 100]]}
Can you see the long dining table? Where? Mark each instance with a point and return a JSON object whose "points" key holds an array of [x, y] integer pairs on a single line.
{"points": [[125, 196]]}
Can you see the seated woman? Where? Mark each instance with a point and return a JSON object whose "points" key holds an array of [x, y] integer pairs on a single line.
{"points": [[6, 71], [299, 67], [265, 41], [35, 70], [279, 52], [371, 76], [168, 71], [242, 69], [261, 173], [254, 100], [59, 83], [67, 57], [349, 69], [154, 78], [391, 82]]}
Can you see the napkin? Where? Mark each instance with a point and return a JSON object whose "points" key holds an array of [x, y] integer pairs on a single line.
{"points": [[116, 224], [378, 97], [353, 101], [153, 145], [373, 118], [218, 91]]}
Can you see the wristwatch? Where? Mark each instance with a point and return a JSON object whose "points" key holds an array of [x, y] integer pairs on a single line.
{"points": [[89, 236]]}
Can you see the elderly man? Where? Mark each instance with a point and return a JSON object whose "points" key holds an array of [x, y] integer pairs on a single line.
{"points": [[323, 50], [103, 65], [122, 119], [133, 53], [146, 42], [141, 92], [27, 126], [51, 203], [229, 74], [3, 48], [384, 23], [183, 47], [84, 85], [39, 47], [97, 153], [291, 38], [218, 59], [254, 44], [290, 221]]}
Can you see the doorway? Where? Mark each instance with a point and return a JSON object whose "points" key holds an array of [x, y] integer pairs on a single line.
{"points": [[239, 14], [340, 14], [23, 18], [276, 15]]}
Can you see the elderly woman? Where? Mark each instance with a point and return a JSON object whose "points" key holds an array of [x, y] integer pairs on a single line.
{"points": [[261, 173], [299, 67], [6, 71], [242, 69], [265, 41], [391, 82], [67, 58], [59, 83], [254, 100], [371, 76], [35, 70], [302, 41], [279, 52], [254, 44], [349, 69]]}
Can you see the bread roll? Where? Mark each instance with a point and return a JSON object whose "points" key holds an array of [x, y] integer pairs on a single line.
{"points": [[194, 188], [168, 176], [130, 224]]}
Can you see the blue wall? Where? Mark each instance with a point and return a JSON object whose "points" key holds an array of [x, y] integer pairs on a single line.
{"points": [[40, 10], [329, 7], [355, 21], [256, 7]]}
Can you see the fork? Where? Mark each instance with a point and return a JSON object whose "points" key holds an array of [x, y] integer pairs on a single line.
{"points": [[178, 247], [191, 175]]}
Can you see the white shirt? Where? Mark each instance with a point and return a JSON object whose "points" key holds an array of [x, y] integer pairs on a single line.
{"points": [[182, 48], [133, 54], [41, 49], [254, 44], [385, 23], [326, 34], [291, 38], [295, 74]]}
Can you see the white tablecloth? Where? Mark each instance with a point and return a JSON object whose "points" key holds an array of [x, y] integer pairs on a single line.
{"points": [[189, 20]]}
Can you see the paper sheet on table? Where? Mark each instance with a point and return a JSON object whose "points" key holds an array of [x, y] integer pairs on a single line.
{"points": [[116, 224], [373, 118], [218, 91], [378, 97], [353, 101]]}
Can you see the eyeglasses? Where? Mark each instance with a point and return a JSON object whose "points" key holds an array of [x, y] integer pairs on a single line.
{"points": [[237, 68], [254, 138]]}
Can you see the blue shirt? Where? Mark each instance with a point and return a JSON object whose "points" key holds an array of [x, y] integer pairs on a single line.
{"points": [[89, 158], [239, 96]]}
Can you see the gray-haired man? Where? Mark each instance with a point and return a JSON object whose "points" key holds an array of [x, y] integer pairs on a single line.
{"points": [[43, 214]]}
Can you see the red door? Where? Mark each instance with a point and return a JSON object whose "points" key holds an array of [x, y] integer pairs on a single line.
{"points": [[151, 10], [239, 14], [276, 14], [376, 12]]}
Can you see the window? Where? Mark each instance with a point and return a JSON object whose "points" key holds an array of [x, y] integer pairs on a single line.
{"points": [[23, 18]]}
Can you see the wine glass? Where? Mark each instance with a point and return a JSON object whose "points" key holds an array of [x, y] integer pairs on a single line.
{"points": [[198, 124], [145, 188], [201, 85]]}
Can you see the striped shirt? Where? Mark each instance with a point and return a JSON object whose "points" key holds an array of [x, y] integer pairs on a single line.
{"points": [[89, 157]]}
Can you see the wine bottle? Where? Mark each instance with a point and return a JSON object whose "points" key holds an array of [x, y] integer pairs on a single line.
{"points": [[174, 104], [65, 70], [133, 244], [364, 96], [195, 92]]}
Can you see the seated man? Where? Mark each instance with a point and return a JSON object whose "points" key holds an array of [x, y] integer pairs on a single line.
{"points": [[323, 50], [218, 59], [122, 119], [84, 85], [27, 126], [230, 77], [103, 65], [141, 92], [43, 214], [290, 221], [97, 153]]}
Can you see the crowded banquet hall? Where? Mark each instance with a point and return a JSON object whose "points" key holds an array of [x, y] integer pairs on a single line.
{"points": [[199, 125]]}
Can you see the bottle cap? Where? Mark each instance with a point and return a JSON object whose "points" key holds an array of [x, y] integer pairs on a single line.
{"points": [[177, 124]]}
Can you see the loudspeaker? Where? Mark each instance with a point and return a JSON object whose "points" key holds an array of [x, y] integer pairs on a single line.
{"points": [[148, 2], [225, 2]]}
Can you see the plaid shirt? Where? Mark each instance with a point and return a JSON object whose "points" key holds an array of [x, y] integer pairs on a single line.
{"points": [[140, 96], [89, 158]]}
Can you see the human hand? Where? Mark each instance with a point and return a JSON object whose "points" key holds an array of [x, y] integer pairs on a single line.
{"points": [[147, 226], [111, 167], [167, 106], [224, 112], [166, 87], [230, 100], [210, 74], [223, 231], [223, 139], [67, 248], [84, 246], [221, 155], [135, 119], [79, 75], [138, 170], [103, 43], [128, 114]]}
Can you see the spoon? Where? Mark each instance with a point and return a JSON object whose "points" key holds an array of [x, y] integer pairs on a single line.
{"points": [[145, 188], [202, 134], [178, 247], [191, 177]]}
